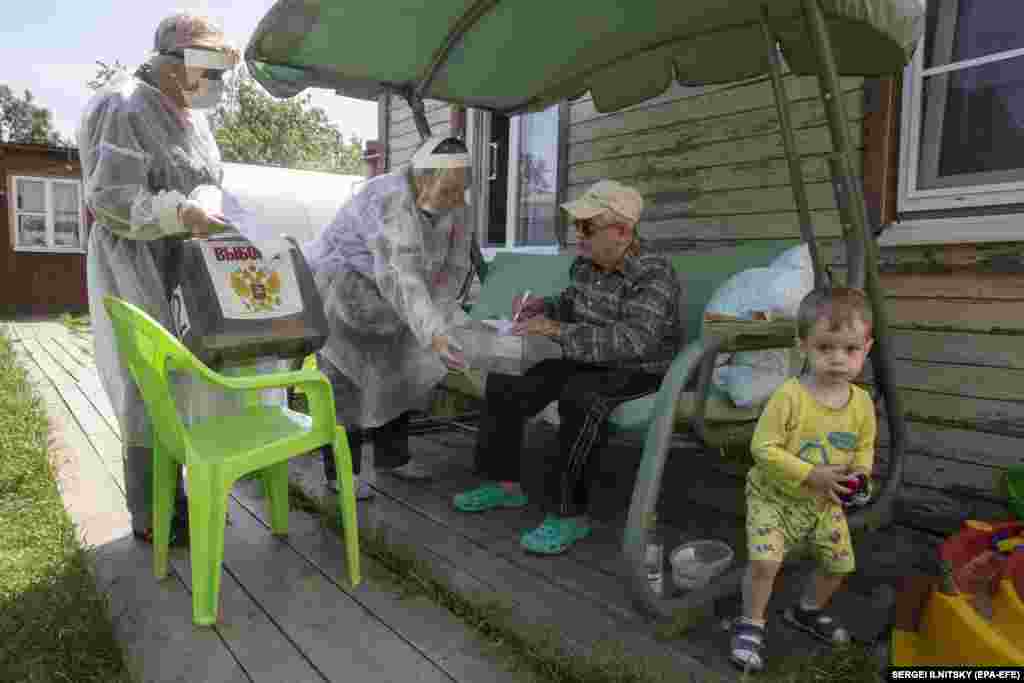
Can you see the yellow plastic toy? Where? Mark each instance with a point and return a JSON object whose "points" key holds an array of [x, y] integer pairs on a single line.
{"points": [[951, 627]]}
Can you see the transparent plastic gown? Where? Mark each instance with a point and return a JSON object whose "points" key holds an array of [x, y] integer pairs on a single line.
{"points": [[390, 277], [141, 155]]}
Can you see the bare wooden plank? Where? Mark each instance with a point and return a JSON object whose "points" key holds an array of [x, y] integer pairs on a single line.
{"points": [[762, 173], [582, 109], [684, 153], [1004, 384], [153, 620], [73, 353], [982, 256], [407, 125], [104, 442], [1005, 417], [259, 646], [957, 444], [400, 108], [536, 601], [313, 612], [718, 99], [777, 225], [412, 139], [820, 196], [91, 420], [500, 532], [401, 158], [964, 314], [942, 512], [961, 283], [447, 642], [989, 350], [684, 118]]}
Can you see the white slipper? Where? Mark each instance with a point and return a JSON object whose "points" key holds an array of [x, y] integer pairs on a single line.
{"points": [[411, 470]]}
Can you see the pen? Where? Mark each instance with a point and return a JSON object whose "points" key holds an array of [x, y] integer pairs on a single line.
{"points": [[522, 303]]}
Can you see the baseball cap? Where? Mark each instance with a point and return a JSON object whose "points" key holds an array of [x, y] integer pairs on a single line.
{"points": [[196, 37], [604, 195]]}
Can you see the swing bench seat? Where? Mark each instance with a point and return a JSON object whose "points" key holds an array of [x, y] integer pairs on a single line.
{"points": [[704, 409]]}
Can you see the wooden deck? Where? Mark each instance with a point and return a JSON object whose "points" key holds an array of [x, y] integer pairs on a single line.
{"points": [[288, 614]]}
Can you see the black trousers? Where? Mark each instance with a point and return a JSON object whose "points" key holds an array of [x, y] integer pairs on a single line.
{"points": [[586, 395], [390, 446]]}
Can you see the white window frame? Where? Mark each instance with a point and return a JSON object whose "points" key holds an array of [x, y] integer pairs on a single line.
{"points": [[911, 197], [48, 183], [478, 136]]}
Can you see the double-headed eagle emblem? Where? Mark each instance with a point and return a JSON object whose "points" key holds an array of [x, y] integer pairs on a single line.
{"points": [[257, 287]]}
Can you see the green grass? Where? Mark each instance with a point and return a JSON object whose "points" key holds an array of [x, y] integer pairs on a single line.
{"points": [[54, 623]]}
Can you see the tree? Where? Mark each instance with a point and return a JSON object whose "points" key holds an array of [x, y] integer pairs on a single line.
{"points": [[253, 127], [106, 73], [21, 120]]}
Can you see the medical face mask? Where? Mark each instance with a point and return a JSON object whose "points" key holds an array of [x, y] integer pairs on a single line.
{"points": [[207, 92], [206, 95]]}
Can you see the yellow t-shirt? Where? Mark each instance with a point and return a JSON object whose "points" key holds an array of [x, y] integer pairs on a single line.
{"points": [[797, 432]]}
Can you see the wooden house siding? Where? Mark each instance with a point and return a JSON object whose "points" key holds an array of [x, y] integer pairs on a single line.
{"points": [[709, 161], [402, 138], [37, 283]]}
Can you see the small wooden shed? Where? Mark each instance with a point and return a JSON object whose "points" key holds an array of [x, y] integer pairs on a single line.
{"points": [[43, 228]]}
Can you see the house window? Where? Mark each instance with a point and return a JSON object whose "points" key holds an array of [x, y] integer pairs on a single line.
{"points": [[516, 194], [963, 108], [48, 215]]}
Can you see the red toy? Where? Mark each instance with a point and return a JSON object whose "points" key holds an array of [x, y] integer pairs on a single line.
{"points": [[859, 493]]}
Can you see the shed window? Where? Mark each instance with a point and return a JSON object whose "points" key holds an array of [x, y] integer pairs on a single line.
{"points": [[48, 215]]}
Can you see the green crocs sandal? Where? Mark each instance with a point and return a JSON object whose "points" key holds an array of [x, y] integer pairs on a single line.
{"points": [[488, 497], [554, 536]]}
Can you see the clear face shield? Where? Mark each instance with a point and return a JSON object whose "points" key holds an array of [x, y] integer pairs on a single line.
{"points": [[204, 75]]}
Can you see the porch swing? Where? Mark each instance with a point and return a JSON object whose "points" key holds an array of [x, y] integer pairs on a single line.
{"points": [[523, 56]]}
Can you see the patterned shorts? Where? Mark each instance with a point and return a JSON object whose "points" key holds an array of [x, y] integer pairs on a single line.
{"points": [[777, 524]]}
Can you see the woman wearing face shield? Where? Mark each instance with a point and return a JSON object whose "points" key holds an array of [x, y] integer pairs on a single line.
{"points": [[390, 269], [144, 147]]}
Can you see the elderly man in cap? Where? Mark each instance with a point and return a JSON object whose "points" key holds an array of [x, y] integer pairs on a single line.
{"points": [[619, 327]]}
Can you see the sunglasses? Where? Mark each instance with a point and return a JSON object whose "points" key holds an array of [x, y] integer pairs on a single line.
{"points": [[586, 227]]}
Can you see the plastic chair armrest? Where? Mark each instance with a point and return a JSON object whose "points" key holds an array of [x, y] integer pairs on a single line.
{"points": [[277, 380]]}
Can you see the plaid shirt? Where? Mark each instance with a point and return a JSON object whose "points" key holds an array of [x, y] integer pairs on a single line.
{"points": [[628, 318]]}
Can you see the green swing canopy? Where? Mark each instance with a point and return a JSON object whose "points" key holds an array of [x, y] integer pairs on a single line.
{"points": [[513, 56]]}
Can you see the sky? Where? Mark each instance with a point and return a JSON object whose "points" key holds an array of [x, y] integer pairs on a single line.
{"points": [[51, 47]]}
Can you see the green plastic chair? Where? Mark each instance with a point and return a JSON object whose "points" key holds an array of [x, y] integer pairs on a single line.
{"points": [[217, 452]]}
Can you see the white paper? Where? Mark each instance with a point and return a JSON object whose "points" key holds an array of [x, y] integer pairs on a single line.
{"points": [[502, 327], [264, 235]]}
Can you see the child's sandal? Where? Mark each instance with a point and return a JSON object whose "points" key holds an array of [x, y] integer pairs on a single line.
{"points": [[819, 624], [747, 645]]}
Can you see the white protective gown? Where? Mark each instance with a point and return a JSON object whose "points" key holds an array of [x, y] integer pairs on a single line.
{"points": [[390, 278], [140, 156]]}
